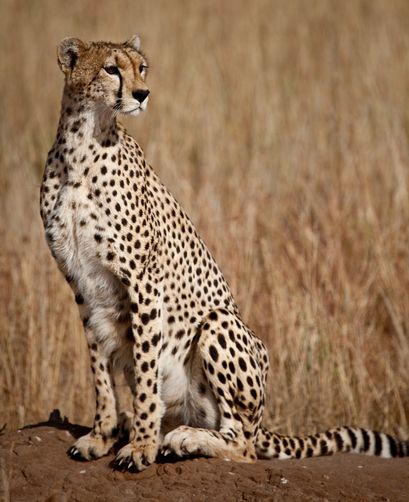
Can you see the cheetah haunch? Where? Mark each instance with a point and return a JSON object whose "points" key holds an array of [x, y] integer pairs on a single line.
{"points": [[151, 297]]}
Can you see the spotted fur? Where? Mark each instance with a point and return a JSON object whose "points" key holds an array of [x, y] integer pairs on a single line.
{"points": [[151, 297]]}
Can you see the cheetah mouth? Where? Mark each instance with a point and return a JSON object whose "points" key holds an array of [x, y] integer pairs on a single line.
{"points": [[137, 109], [133, 111]]}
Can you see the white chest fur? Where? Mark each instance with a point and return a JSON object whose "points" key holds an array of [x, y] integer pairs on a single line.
{"points": [[72, 229]]}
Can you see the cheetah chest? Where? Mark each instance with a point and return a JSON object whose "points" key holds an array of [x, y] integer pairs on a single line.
{"points": [[73, 231]]}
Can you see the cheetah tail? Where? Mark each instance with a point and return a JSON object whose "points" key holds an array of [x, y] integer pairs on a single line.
{"points": [[341, 439]]}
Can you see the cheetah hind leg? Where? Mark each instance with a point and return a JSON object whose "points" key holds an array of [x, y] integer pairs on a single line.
{"points": [[187, 441], [233, 383]]}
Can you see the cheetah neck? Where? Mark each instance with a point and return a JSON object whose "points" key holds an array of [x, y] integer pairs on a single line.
{"points": [[82, 124]]}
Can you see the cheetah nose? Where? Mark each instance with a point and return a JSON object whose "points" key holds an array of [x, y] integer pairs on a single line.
{"points": [[140, 95]]}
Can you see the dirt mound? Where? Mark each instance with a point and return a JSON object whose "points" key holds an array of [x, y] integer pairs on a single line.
{"points": [[34, 466]]}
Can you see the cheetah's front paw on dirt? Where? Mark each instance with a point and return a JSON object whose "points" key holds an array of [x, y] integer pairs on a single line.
{"points": [[90, 447], [135, 457]]}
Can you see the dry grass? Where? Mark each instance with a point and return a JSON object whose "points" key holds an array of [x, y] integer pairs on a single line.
{"points": [[282, 127]]}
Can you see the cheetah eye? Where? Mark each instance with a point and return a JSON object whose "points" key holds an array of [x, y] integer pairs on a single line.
{"points": [[142, 68], [112, 70]]}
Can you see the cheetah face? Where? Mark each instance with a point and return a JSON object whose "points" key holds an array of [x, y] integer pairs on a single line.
{"points": [[106, 75]]}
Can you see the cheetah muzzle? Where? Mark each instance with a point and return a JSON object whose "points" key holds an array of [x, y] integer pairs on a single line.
{"points": [[152, 300]]}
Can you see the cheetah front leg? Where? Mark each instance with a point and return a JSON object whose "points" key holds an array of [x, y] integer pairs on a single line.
{"points": [[144, 435], [104, 433]]}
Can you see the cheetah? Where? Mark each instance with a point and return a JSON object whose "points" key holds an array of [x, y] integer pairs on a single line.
{"points": [[153, 302]]}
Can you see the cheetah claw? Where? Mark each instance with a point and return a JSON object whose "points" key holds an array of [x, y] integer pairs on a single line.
{"points": [[75, 454], [124, 464]]}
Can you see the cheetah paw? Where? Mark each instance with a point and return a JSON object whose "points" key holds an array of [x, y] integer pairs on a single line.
{"points": [[135, 457], [90, 447], [183, 441]]}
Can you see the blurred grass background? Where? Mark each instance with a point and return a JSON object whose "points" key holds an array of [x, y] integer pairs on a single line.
{"points": [[283, 129]]}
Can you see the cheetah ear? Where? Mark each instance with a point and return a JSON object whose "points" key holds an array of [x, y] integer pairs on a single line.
{"points": [[134, 42], [68, 53]]}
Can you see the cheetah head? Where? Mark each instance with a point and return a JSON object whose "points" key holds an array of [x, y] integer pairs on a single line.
{"points": [[105, 75]]}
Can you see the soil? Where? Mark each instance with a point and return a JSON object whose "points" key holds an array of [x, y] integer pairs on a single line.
{"points": [[34, 466]]}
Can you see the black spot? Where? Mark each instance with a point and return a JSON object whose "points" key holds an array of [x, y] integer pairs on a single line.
{"points": [[323, 447], [221, 340], [242, 364], [145, 346], [145, 318], [365, 437], [213, 316], [155, 340], [378, 443], [221, 377], [213, 353], [339, 441], [79, 299], [352, 437], [392, 446]]}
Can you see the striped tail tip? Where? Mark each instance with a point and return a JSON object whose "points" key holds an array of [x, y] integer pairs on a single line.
{"points": [[339, 440]]}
